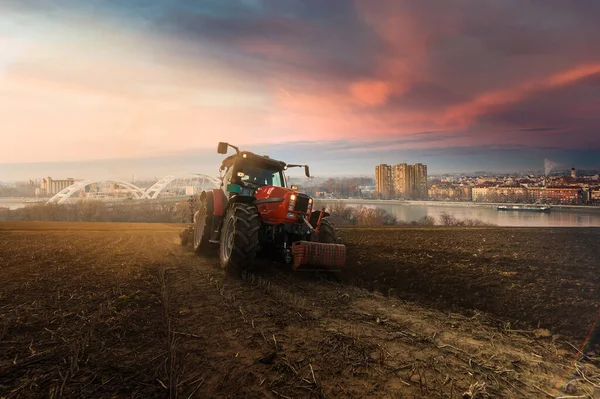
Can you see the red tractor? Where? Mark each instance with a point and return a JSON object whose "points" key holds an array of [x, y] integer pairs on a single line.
{"points": [[254, 211]]}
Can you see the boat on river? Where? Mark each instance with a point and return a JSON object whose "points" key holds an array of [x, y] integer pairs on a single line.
{"points": [[526, 208]]}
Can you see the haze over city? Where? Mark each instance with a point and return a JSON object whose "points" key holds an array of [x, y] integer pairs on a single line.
{"points": [[102, 89]]}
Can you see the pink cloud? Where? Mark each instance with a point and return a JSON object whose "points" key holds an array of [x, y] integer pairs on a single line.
{"points": [[466, 113], [371, 93]]}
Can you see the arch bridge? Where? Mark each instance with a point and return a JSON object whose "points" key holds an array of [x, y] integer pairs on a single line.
{"points": [[179, 181], [128, 189], [175, 184]]}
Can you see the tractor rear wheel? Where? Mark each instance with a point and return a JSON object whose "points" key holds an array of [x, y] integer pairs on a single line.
{"points": [[203, 223], [328, 233], [239, 237]]}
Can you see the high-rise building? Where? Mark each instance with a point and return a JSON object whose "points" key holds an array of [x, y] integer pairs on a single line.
{"points": [[420, 181], [400, 177], [383, 181], [410, 181]]}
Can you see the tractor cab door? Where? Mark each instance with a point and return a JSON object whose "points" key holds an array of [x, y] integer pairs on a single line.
{"points": [[242, 179], [227, 178]]}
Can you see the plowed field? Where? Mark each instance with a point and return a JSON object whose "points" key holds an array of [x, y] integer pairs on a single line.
{"points": [[122, 310]]}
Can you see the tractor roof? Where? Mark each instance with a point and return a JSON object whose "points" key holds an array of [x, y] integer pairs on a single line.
{"points": [[253, 158]]}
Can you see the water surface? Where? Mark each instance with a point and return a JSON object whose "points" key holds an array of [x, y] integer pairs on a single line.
{"points": [[408, 212]]}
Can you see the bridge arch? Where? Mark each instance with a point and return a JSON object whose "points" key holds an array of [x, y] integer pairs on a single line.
{"points": [[158, 187], [63, 196]]}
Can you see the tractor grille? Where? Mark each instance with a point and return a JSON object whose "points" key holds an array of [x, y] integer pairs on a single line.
{"points": [[301, 204]]}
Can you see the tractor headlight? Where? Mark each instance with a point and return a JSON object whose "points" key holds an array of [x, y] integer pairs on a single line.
{"points": [[291, 215], [292, 202]]}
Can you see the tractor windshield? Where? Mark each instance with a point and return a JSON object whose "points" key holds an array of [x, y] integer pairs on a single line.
{"points": [[259, 176]]}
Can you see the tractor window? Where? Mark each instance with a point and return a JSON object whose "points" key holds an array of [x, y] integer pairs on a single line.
{"points": [[262, 177]]}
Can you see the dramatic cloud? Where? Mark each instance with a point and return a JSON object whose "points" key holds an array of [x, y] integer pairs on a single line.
{"points": [[371, 93], [486, 103], [112, 79]]}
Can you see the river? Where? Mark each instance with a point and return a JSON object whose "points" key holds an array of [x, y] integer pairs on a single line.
{"points": [[16, 202], [408, 211]]}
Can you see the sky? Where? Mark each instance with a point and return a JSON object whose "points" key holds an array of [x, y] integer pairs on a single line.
{"points": [[110, 88]]}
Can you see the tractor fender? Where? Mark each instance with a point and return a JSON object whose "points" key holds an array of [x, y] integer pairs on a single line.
{"points": [[219, 201], [220, 205], [314, 217]]}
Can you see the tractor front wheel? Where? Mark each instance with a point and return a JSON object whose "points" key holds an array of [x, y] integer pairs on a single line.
{"points": [[328, 233], [239, 237]]}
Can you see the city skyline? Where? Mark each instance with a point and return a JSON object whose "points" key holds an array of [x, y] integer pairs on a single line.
{"points": [[122, 88], [64, 171], [330, 161]]}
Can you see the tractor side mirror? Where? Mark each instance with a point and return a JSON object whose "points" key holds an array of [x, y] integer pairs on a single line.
{"points": [[222, 148], [306, 171]]}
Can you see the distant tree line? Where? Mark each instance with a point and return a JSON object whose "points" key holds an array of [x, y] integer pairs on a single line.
{"points": [[344, 215], [97, 211], [342, 187], [180, 212]]}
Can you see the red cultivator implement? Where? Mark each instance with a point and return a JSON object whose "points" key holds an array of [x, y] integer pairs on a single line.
{"points": [[318, 256]]}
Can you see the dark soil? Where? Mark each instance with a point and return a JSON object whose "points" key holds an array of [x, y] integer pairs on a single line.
{"points": [[122, 310], [531, 277]]}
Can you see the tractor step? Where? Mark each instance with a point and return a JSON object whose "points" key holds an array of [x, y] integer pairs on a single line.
{"points": [[317, 256]]}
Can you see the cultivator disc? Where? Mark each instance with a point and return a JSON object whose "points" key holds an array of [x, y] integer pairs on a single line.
{"points": [[316, 256]]}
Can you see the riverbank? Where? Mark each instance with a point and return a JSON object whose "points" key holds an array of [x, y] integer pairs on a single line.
{"points": [[462, 204], [19, 202]]}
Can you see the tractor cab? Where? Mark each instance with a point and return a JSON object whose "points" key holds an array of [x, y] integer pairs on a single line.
{"points": [[246, 172], [261, 180]]}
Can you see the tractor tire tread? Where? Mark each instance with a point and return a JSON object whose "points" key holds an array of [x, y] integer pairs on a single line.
{"points": [[246, 224], [328, 233]]}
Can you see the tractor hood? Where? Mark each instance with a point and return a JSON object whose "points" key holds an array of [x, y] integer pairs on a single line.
{"points": [[282, 204], [274, 193]]}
